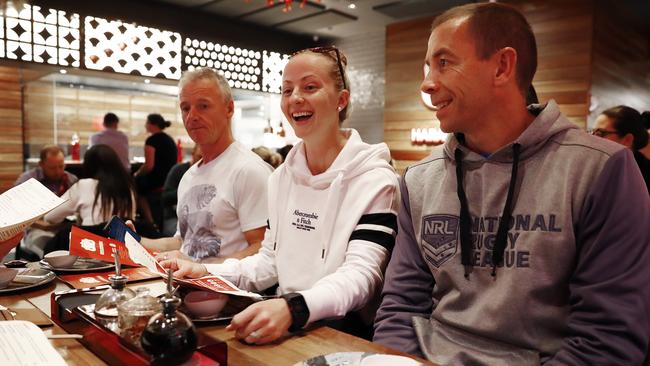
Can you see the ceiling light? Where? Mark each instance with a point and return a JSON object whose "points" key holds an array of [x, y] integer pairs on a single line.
{"points": [[352, 6], [147, 81], [287, 4], [63, 71]]}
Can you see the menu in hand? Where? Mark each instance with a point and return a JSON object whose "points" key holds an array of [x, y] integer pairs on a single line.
{"points": [[22, 205], [88, 245]]}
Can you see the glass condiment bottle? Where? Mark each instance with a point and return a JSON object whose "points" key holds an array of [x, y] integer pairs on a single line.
{"points": [[169, 337], [134, 314], [106, 306]]}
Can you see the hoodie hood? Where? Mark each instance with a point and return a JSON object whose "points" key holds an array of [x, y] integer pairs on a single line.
{"points": [[356, 158], [548, 123]]}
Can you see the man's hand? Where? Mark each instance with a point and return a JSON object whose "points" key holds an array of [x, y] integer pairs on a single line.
{"points": [[172, 254], [183, 268], [262, 322]]}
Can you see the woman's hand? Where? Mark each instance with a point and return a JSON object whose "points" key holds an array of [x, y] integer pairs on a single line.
{"points": [[184, 268], [262, 322], [172, 254]]}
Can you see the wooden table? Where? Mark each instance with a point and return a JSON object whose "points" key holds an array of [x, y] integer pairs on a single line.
{"points": [[318, 341]]}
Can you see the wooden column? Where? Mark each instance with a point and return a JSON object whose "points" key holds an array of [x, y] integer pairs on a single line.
{"points": [[11, 148]]}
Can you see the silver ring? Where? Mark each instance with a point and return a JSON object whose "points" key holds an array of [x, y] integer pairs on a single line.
{"points": [[254, 335]]}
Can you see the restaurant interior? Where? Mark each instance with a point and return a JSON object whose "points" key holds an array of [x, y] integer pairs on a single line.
{"points": [[65, 63]]}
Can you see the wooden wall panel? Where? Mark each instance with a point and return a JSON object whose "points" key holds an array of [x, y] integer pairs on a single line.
{"points": [[564, 39], [621, 66], [11, 148]]}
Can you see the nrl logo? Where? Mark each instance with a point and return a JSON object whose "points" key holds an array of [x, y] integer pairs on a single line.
{"points": [[439, 238]]}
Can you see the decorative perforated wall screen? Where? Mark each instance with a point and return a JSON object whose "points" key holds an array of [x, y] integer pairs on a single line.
{"points": [[55, 37], [240, 66], [131, 49]]}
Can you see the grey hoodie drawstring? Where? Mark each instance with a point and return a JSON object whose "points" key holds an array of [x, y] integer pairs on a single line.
{"points": [[466, 220]]}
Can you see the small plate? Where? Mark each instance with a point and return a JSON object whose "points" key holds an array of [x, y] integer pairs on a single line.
{"points": [[14, 286], [81, 265], [336, 359]]}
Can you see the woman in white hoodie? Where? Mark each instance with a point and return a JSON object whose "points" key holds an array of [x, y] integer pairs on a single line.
{"points": [[332, 208]]}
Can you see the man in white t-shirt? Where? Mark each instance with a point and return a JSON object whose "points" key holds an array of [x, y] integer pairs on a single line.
{"points": [[222, 199]]}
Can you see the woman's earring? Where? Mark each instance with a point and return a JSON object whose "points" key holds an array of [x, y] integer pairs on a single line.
{"points": [[340, 108]]}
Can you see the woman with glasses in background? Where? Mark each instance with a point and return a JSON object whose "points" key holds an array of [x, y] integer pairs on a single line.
{"points": [[626, 126], [332, 208]]}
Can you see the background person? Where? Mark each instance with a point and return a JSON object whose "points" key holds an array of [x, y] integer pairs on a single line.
{"points": [[624, 125], [522, 240], [160, 156], [51, 173], [332, 216], [112, 137], [109, 191], [269, 156], [170, 192]]}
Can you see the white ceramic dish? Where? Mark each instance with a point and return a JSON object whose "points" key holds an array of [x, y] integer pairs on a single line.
{"points": [[205, 304], [388, 360], [6, 276], [60, 259]]}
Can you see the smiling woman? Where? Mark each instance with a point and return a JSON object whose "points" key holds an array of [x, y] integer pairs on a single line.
{"points": [[327, 259]]}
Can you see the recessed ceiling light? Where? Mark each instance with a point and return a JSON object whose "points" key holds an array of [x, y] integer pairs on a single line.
{"points": [[63, 71], [352, 6], [147, 81]]}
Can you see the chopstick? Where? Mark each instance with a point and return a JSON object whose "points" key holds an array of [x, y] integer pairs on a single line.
{"points": [[64, 336]]}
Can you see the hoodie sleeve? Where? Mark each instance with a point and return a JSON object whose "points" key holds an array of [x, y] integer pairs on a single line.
{"points": [[253, 273], [609, 320], [258, 271], [408, 288], [360, 276]]}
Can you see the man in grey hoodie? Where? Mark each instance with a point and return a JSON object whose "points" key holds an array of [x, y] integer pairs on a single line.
{"points": [[522, 240]]}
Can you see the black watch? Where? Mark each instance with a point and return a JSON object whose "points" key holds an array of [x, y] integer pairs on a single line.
{"points": [[299, 310]]}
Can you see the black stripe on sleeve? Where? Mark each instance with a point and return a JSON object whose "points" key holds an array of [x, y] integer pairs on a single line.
{"points": [[384, 219], [268, 224], [378, 237]]}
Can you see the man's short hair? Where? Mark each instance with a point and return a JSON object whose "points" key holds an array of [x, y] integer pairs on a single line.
{"points": [[110, 119], [49, 150], [494, 26], [207, 74]]}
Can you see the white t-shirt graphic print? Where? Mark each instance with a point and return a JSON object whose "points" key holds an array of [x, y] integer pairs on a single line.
{"points": [[220, 200]]}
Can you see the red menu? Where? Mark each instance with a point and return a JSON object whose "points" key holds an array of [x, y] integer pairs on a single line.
{"points": [[83, 280], [89, 245]]}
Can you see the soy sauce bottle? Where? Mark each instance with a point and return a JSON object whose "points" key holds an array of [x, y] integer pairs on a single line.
{"points": [[169, 337]]}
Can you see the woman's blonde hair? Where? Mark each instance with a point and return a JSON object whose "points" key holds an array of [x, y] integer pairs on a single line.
{"points": [[337, 72]]}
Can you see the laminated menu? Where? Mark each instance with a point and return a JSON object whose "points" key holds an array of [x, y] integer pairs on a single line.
{"points": [[22, 205], [88, 245]]}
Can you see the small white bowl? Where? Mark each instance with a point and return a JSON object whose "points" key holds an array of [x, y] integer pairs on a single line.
{"points": [[205, 304], [60, 259], [388, 360], [6, 276]]}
